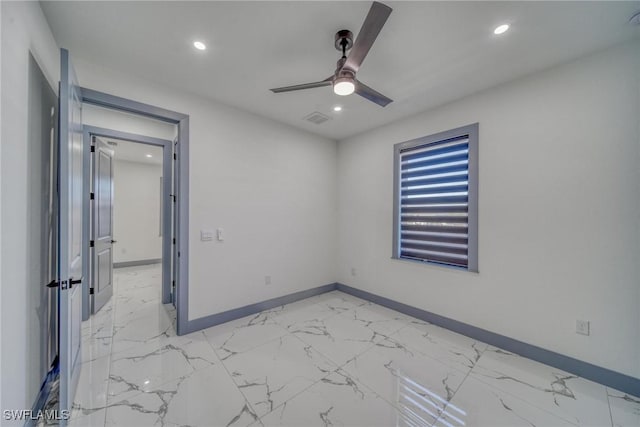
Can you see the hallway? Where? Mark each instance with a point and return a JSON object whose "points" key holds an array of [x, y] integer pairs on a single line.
{"points": [[332, 359]]}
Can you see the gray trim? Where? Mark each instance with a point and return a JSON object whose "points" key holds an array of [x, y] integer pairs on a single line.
{"points": [[106, 100], [86, 225], [247, 310], [473, 230], [396, 202], [472, 131], [183, 324], [167, 151], [583, 369], [137, 263]]}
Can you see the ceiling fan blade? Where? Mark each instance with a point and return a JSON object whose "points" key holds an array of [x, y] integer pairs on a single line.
{"points": [[325, 82], [371, 27], [372, 95]]}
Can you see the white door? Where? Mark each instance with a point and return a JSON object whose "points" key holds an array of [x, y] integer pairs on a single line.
{"points": [[70, 230], [102, 224]]}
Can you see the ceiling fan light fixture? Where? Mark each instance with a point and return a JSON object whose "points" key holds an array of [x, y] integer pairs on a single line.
{"points": [[344, 86]]}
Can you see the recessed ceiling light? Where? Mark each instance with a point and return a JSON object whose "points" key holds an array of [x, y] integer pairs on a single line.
{"points": [[199, 45], [149, 155], [337, 108], [501, 29]]}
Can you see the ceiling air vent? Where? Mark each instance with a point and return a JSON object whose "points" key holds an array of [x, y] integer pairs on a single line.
{"points": [[317, 118]]}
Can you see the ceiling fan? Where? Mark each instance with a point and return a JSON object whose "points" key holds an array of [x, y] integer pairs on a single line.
{"points": [[344, 78]]}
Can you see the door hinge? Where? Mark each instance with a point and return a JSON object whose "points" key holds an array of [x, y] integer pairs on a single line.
{"points": [[91, 243], [173, 283], [174, 240], [178, 254], [91, 196], [174, 156], [93, 148], [90, 291]]}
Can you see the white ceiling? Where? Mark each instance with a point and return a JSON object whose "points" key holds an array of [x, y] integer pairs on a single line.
{"points": [[429, 53], [135, 152]]}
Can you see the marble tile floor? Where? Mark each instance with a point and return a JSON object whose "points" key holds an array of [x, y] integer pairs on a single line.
{"points": [[329, 360]]}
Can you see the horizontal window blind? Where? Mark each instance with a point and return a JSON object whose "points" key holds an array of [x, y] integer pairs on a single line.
{"points": [[434, 202]]}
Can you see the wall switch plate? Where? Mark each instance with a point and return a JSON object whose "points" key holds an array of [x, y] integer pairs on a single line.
{"points": [[206, 236], [354, 272], [267, 280], [582, 327]]}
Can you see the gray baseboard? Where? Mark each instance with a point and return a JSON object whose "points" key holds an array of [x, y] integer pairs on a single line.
{"points": [[136, 263], [583, 369], [247, 310], [607, 377]]}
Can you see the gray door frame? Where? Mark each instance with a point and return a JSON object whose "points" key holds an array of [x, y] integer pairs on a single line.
{"points": [[167, 152], [181, 194]]}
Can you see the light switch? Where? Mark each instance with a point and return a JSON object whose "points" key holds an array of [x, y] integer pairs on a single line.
{"points": [[220, 234], [206, 236]]}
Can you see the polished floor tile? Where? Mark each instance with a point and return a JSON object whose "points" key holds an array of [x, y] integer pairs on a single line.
{"points": [[329, 360], [574, 399], [276, 371], [336, 400], [625, 409], [406, 378]]}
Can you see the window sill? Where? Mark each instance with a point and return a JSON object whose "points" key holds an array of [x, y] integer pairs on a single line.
{"points": [[435, 264]]}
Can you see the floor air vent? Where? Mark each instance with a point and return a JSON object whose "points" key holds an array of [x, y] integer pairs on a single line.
{"points": [[317, 118]]}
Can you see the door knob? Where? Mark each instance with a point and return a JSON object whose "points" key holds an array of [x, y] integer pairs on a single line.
{"points": [[114, 241]]}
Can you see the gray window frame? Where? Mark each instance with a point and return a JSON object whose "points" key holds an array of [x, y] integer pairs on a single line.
{"points": [[472, 131]]}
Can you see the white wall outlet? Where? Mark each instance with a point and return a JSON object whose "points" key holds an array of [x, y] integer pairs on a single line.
{"points": [[206, 235], [582, 327], [267, 280], [354, 272], [220, 234]]}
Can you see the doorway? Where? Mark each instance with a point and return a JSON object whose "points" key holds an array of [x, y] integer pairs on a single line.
{"points": [[104, 149]]}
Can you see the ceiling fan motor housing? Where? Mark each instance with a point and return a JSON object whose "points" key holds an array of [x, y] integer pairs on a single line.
{"points": [[345, 35]]}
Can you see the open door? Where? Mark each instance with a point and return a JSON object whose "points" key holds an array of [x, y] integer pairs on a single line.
{"points": [[70, 230], [102, 239]]}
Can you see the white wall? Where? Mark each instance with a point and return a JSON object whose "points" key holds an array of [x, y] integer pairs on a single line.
{"points": [[559, 211], [124, 122], [24, 29], [136, 211], [271, 187]]}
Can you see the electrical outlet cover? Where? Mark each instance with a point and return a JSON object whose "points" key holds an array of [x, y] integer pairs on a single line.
{"points": [[582, 327]]}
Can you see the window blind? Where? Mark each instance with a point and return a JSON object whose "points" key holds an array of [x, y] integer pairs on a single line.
{"points": [[434, 202]]}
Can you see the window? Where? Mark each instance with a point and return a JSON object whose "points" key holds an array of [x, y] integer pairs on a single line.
{"points": [[436, 199]]}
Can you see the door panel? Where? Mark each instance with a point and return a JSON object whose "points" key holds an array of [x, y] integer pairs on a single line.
{"points": [[70, 230], [103, 224]]}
